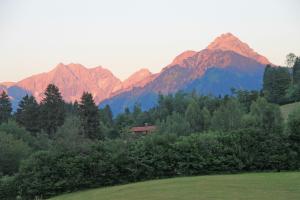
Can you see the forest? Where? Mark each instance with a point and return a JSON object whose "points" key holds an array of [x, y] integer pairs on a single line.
{"points": [[53, 147]]}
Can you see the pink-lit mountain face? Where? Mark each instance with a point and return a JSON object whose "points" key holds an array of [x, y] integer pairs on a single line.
{"points": [[228, 42], [73, 80]]}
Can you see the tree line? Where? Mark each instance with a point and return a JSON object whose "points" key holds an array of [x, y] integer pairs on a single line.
{"points": [[54, 147]]}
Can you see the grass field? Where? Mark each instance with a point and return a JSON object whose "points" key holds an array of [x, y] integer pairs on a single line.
{"points": [[288, 108], [252, 186]]}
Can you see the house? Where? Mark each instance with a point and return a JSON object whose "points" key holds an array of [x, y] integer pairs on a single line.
{"points": [[143, 129]]}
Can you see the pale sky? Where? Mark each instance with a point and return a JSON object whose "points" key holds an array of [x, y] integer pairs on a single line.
{"points": [[126, 35]]}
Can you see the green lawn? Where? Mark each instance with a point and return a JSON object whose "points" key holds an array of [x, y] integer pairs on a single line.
{"points": [[288, 108], [252, 186]]}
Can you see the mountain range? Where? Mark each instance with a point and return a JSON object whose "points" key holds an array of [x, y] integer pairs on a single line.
{"points": [[225, 63]]}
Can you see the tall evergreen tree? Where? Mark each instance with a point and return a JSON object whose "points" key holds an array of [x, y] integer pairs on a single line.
{"points": [[276, 82], [89, 117], [5, 107], [52, 110], [268, 80], [27, 114], [296, 72]]}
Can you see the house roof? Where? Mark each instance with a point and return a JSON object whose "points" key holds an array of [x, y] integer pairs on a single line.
{"points": [[143, 128]]}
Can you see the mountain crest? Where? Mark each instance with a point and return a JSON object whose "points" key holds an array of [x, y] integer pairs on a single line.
{"points": [[181, 57], [229, 42]]}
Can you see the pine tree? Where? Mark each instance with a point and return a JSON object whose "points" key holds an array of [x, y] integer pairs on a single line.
{"points": [[27, 114], [5, 107], [89, 117], [52, 110]]}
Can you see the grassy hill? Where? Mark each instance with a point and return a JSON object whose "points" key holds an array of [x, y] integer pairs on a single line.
{"points": [[252, 186], [286, 109]]}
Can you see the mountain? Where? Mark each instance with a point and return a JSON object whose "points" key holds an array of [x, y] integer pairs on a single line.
{"points": [[226, 63], [137, 79], [73, 80]]}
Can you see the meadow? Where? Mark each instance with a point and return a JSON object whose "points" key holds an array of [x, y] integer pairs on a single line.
{"points": [[250, 186]]}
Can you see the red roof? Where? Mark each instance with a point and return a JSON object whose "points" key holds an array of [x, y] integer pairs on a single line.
{"points": [[143, 128]]}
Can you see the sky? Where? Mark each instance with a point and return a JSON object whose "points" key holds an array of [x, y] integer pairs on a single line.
{"points": [[126, 35]]}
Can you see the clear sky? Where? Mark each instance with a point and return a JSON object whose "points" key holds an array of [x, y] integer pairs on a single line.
{"points": [[125, 35]]}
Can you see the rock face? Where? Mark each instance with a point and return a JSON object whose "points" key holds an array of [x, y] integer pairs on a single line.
{"points": [[73, 80]]}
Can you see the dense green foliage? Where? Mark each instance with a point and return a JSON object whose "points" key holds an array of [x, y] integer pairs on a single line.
{"points": [[53, 147], [294, 136]]}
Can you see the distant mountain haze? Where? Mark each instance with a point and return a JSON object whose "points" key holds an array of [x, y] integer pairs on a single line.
{"points": [[187, 71]]}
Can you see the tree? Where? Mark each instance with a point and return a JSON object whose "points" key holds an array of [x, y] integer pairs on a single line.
{"points": [[206, 119], [193, 116], [246, 98], [69, 138], [5, 107], [89, 117], [8, 188], [296, 72], [27, 114], [106, 116], [276, 82], [165, 106], [290, 59], [12, 151], [52, 111], [174, 124], [294, 134], [267, 116], [228, 116]]}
